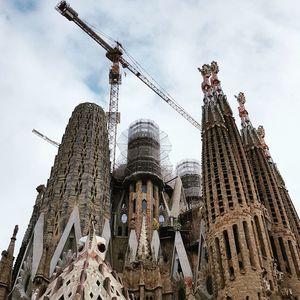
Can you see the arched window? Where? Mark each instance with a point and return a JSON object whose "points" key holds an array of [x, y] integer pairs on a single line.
{"points": [[144, 205], [161, 219]]}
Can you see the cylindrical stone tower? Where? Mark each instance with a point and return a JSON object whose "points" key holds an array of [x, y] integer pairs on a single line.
{"points": [[143, 174], [77, 192], [80, 175]]}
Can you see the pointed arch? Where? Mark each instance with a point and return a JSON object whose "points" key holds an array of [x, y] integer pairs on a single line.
{"points": [[37, 243], [180, 257], [74, 222]]}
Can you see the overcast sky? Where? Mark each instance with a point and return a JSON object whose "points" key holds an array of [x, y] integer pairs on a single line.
{"points": [[48, 66]]}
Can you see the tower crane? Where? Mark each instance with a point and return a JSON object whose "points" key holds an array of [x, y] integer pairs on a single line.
{"points": [[114, 54], [44, 137]]}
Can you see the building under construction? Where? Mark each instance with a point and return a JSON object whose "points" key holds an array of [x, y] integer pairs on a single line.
{"points": [[132, 234], [225, 230]]}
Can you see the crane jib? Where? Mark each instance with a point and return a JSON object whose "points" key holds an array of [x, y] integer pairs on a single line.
{"points": [[114, 53]]}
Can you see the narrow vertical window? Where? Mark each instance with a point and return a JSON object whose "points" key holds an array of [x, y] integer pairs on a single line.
{"points": [[260, 237], [228, 253], [274, 251], [256, 242], [144, 205], [284, 255], [134, 206], [238, 247], [294, 258], [219, 260], [249, 243]]}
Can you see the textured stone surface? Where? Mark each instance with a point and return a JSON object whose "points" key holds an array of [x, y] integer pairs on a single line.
{"points": [[239, 240]]}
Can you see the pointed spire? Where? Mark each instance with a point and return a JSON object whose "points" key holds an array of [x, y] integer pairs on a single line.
{"points": [[6, 264], [261, 135], [143, 247], [258, 135], [11, 246], [249, 133], [213, 94]]}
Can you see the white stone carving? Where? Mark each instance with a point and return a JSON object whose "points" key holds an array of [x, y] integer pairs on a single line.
{"points": [[88, 276], [37, 243], [74, 220]]}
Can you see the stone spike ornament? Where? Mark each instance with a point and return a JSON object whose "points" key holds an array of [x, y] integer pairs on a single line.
{"points": [[143, 247], [206, 73], [86, 277], [6, 263], [214, 80], [261, 134], [243, 113]]}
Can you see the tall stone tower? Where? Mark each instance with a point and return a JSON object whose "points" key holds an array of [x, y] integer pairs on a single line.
{"points": [[143, 175], [239, 251], [77, 192], [283, 221]]}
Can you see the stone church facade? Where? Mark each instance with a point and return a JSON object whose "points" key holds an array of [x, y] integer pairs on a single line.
{"points": [[227, 231]]}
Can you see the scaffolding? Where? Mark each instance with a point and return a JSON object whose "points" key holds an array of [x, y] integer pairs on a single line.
{"points": [[189, 171], [144, 149]]}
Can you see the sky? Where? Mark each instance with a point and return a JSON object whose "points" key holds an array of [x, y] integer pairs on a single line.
{"points": [[48, 66]]}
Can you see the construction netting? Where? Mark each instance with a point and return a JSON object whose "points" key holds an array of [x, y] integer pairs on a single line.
{"points": [[144, 148], [189, 171]]}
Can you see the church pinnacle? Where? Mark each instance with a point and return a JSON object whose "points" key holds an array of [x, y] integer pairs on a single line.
{"points": [[6, 264]]}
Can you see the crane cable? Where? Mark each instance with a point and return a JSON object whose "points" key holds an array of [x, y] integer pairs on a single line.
{"points": [[133, 61]]}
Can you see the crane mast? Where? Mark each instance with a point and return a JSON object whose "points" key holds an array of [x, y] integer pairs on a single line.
{"points": [[113, 116], [114, 54]]}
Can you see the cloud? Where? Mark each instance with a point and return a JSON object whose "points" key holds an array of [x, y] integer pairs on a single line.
{"points": [[49, 66]]}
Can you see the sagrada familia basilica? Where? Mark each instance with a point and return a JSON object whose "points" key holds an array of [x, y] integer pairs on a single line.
{"points": [[225, 230]]}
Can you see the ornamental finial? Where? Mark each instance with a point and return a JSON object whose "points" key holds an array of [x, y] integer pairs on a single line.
{"points": [[261, 131], [214, 80], [241, 99], [261, 135], [16, 229], [206, 73], [214, 67]]}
